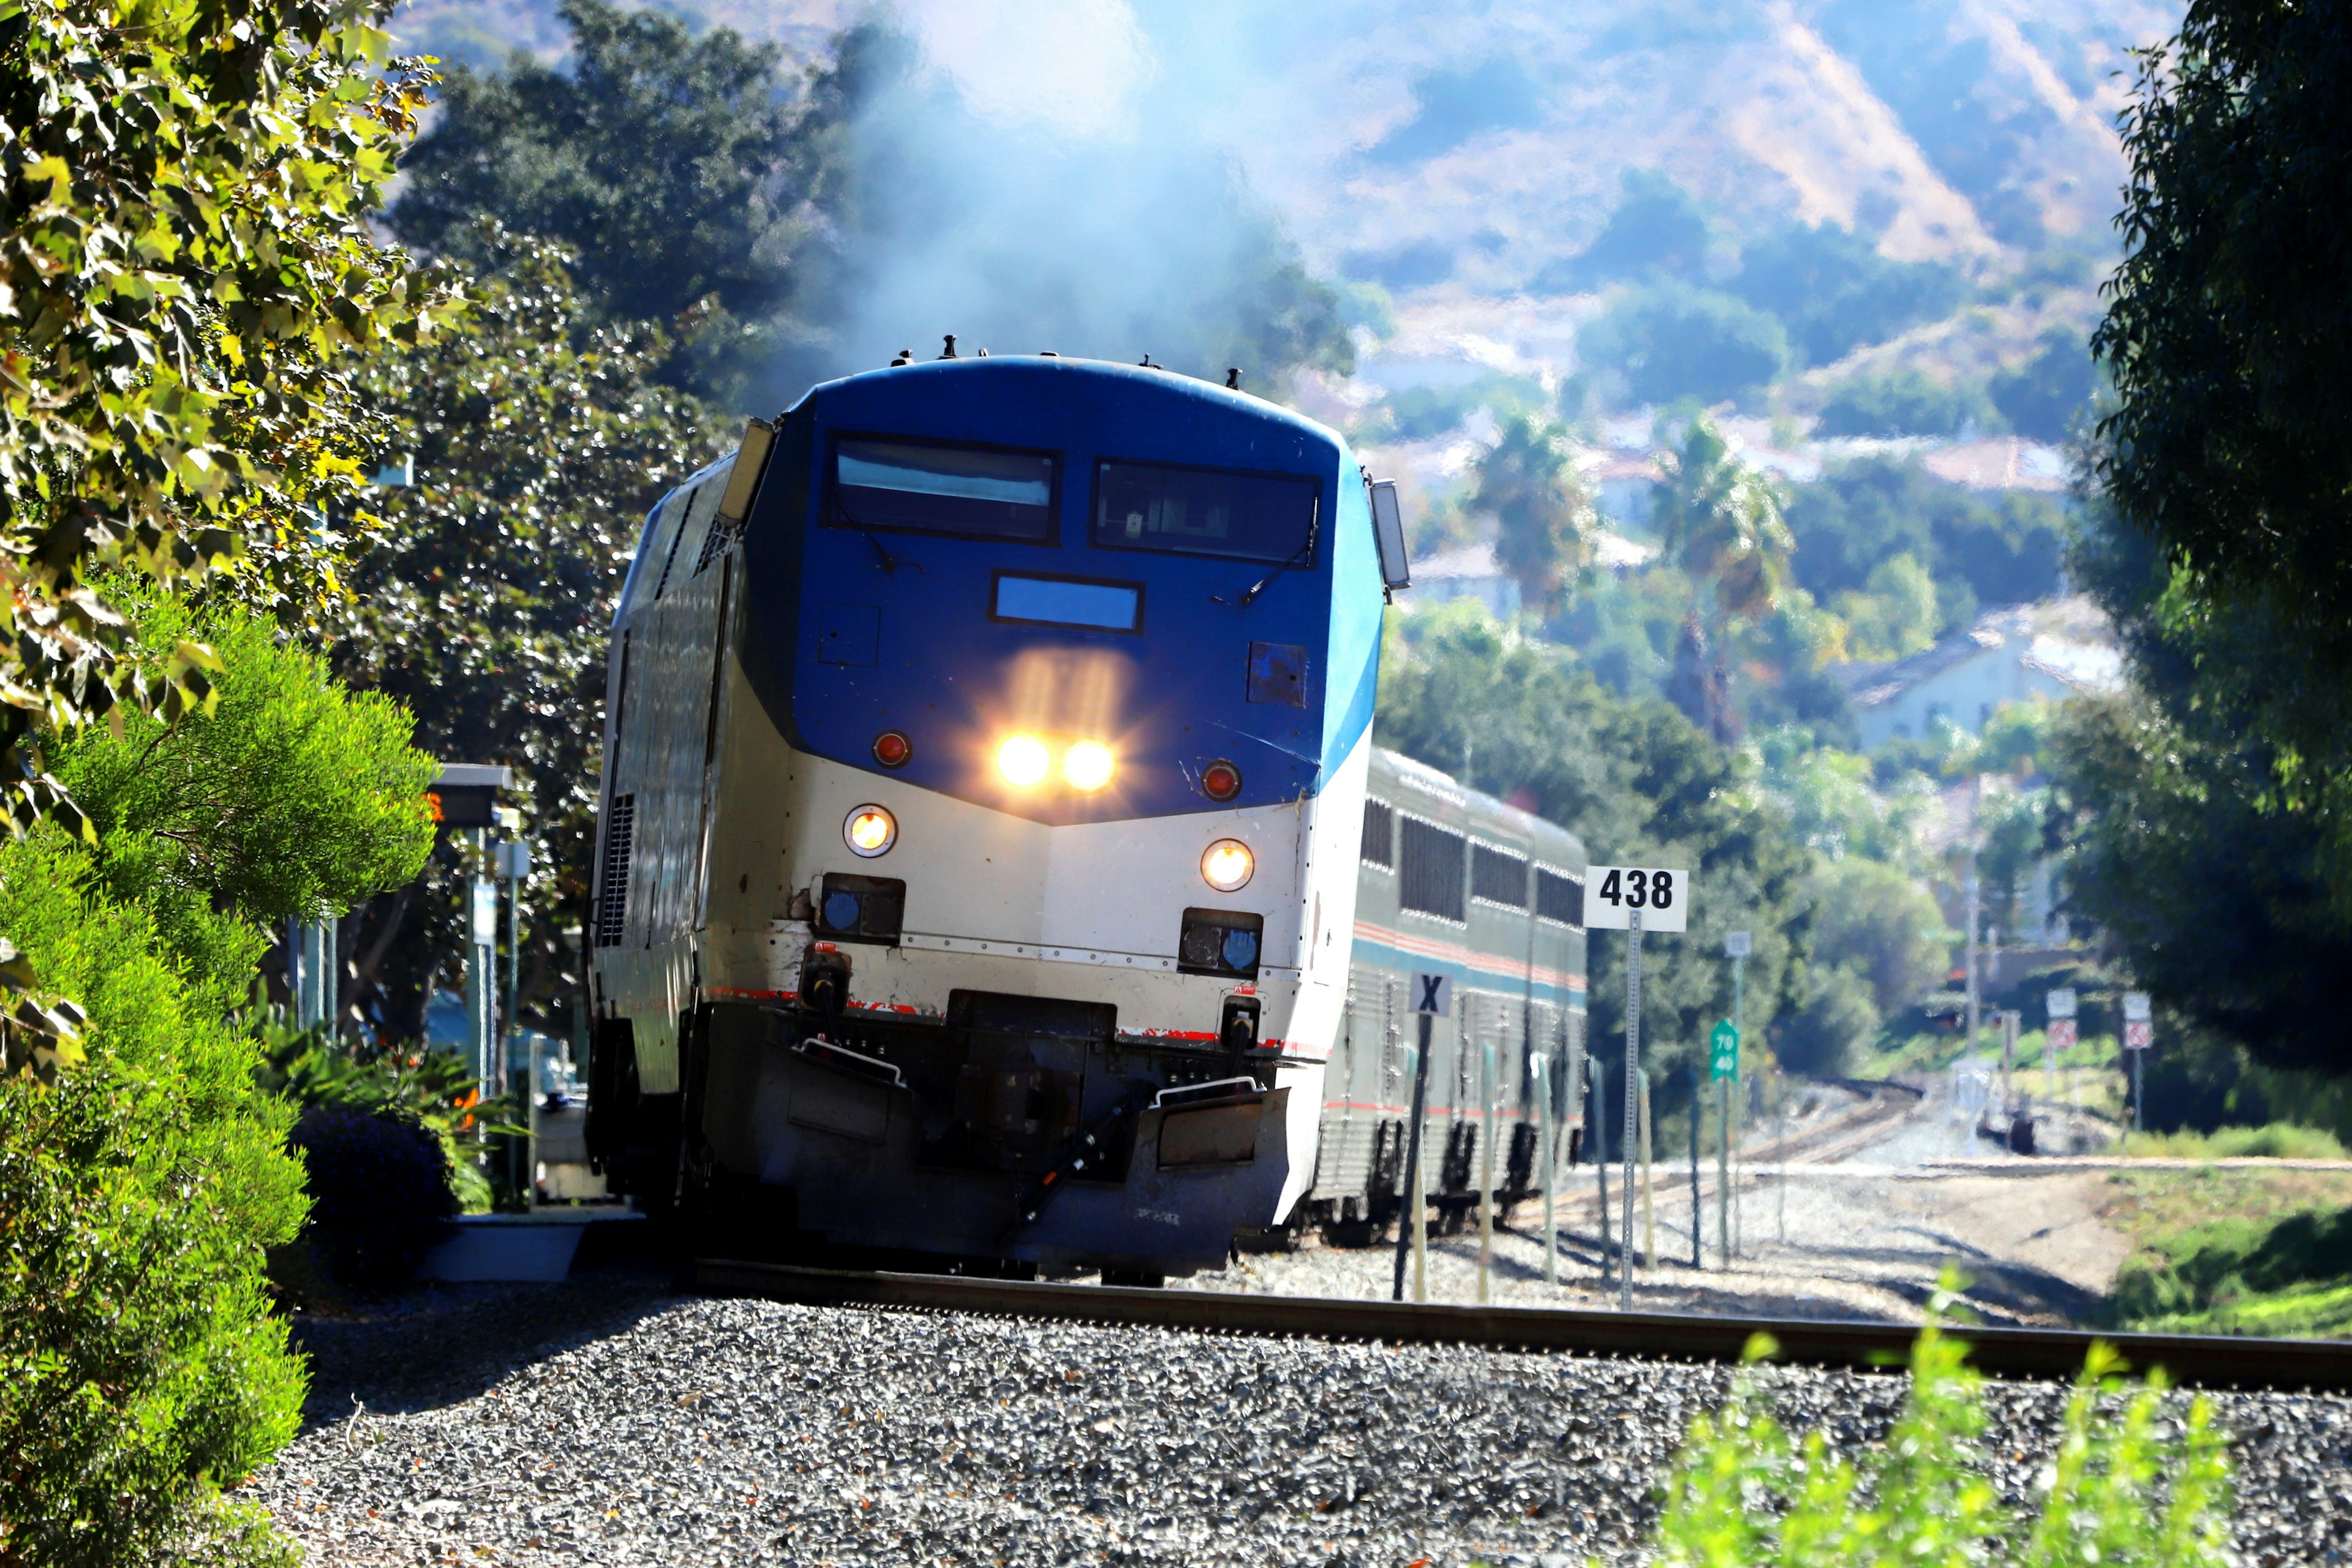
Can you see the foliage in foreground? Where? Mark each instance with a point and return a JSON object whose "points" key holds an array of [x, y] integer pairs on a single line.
{"points": [[140, 1366], [2120, 1492], [186, 278]]}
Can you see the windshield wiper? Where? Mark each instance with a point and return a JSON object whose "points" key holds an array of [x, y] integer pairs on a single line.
{"points": [[1304, 553], [890, 562]]}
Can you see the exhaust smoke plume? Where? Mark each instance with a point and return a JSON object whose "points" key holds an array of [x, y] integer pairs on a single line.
{"points": [[1033, 176]]}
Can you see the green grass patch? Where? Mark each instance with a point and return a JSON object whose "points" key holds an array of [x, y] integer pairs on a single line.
{"points": [[2247, 1272], [2278, 1141]]}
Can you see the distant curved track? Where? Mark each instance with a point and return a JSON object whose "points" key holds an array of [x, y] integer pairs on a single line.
{"points": [[2195, 1361]]}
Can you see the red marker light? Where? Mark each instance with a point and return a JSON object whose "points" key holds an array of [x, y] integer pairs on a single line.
{"points": [[1221, 780], [892, 749]]}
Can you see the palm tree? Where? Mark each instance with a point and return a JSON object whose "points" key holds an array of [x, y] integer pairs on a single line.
{"points": [[1546, 538], [1720, 521]]}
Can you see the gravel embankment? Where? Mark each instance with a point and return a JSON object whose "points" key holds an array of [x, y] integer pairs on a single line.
{"points": [[611, 1422]]}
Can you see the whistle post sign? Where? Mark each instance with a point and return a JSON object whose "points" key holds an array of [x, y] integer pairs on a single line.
{"points": [[1613, 893]]}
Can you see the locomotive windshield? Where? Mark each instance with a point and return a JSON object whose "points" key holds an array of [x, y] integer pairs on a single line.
{"points": [[981, 492], [1204, 512]]}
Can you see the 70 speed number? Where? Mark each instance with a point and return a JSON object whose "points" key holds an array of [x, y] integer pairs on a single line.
{"points": [[1613, 893]]}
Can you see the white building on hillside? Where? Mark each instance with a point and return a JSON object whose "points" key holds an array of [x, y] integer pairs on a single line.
{"points": [[2052, 650]]}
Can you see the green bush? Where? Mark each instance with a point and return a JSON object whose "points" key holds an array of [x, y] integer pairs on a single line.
{"points": [[139, 1361], [2118, 1492], [141, 1368], [380, 1193]]}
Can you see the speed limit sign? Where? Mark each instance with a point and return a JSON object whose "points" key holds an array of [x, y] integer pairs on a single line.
{"points": [[1614, 892]]}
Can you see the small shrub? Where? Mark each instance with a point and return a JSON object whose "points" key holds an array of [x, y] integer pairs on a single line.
{"points": [[380, 1193], [2118, 1492]]}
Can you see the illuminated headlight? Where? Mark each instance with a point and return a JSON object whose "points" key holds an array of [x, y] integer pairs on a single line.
{"points": [[1087, 765], [870, 831], [1024, 761], [1228, 865]]}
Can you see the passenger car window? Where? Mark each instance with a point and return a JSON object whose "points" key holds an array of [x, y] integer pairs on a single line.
{"points": [[1205, 512], [928, 487]]}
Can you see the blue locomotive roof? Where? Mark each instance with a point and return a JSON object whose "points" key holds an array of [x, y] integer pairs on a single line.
{"points": [[963, 550]]}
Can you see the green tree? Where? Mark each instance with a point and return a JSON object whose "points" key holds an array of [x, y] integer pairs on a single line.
{"points": [[1669, 340], [2231, 353], [1718, 519], [186, 285], [141, 1367], [1639, 785], [2225, 334], [677, 167], [541, 443], [1528, 481], [1835, 292]]}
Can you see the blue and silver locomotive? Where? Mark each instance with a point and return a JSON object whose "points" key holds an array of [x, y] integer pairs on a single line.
{"points": [[986, 752]]}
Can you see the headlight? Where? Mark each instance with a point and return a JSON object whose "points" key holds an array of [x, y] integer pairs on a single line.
{"points": [[870, 831], [1087, 765], [1228, 865], [1024, 761]]}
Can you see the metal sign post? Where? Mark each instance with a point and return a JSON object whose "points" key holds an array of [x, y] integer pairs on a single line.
{"points": [[2139, 1033], [1736, 947], [1633, 1103], [1433, 996], [1486, 1167], [1698, 1205], [1723, 1067], [1539, 1065], [1632, 899], [2060, 1008]]}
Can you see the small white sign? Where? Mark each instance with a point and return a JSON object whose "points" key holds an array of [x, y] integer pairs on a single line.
{"points": [[2139, 1035], [485, 912], [1611, 894], [2062, 1003], [2062, 1035], [1432, 993], [2136, 1007], [1736, 943]]}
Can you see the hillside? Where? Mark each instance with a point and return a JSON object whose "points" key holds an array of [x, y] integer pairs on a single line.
{"points": [[1460, 153]]}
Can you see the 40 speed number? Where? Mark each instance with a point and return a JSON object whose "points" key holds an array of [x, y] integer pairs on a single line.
{"points": [[1613, 892]]}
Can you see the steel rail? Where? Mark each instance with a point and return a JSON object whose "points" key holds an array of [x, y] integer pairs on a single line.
{"points": [[2196, 1361]]}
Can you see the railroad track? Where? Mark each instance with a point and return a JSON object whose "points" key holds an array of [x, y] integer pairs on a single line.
{"points": [[2193, 1360]]}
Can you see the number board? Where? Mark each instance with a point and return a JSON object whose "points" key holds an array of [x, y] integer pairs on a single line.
{"points": [[1723, 1051], [1613, 892]]}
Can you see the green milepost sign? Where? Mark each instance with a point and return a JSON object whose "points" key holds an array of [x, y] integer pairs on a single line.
{"points": [[1723, 1051]]}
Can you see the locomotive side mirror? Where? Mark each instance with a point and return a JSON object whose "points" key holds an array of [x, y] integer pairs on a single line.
{"points": [[1387, 533]]}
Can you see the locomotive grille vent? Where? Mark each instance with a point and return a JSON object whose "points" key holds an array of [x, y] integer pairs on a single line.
{"points": [[1431, 874], [613, 899], [1560, 897], [715, 542], [1380, 835], [1499, 877]]}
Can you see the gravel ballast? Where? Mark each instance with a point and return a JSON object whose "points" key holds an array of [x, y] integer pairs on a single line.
{"points": [[610, 1421]]}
